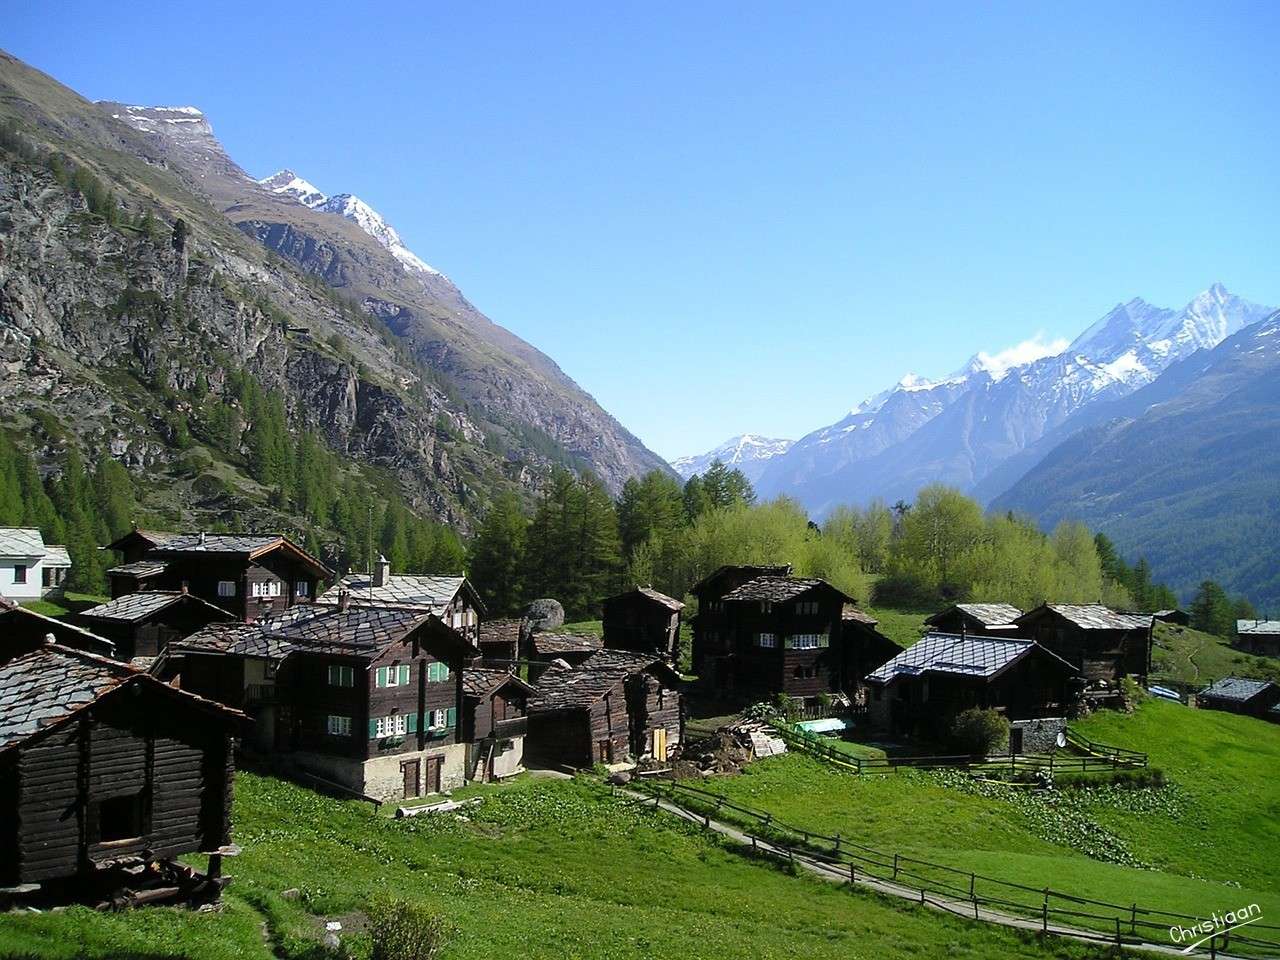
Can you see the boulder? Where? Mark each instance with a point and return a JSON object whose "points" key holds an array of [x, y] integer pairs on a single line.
{"points": [[544, 614]]}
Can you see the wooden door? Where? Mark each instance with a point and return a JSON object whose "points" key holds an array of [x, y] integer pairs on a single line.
{"points": [[410, 770], [1015, 740], [434, 765], [660, 744]]}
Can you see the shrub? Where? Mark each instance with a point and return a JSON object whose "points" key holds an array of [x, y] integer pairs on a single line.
{"points": [[403, 930], [789, 707], [1133, 779], [980, 732]]}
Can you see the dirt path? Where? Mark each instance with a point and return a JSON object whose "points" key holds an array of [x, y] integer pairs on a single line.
{"points": [[962, 908]]}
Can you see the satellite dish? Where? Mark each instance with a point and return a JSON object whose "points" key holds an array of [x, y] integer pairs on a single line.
{"points": [[1062, 738]]}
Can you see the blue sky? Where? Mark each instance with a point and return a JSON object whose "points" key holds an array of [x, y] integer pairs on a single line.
{"points": [[730, 217]]}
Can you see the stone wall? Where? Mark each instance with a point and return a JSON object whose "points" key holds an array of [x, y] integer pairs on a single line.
{"points": [[1041, 735], [381, 777]]}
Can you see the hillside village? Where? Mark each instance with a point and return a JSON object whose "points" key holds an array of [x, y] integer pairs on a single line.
{"points": [[124, 723]]}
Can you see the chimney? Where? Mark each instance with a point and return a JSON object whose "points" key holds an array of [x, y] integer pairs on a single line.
{"points": [[381, 571], [344, 599], [49, 638]]}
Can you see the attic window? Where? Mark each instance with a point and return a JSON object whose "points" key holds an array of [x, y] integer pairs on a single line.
{"points": [[120, 818]]}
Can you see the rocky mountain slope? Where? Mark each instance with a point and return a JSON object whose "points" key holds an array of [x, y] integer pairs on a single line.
{"points": [[747, 452], [1181, 471], [353, 249], [982, 427], [116, 323]]}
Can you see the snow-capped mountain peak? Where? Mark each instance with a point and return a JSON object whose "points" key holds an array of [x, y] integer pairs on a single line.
{"points": [[346, 205], [747, 452], [288, 183]]}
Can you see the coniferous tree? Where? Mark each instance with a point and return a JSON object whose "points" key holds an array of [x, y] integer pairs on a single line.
{"points": [[496, 561], [1212, 610]]}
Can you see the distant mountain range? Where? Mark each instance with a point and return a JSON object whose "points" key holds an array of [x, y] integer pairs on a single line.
{"points": [[1012, 430], [747, 452]]}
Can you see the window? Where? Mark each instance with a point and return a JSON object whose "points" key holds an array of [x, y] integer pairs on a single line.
{"points": [[339, 726], [120, 818], [437, 672], [341, 675], [48, 578], [767, 640], [806, 608], [438, 719], [226, 588], [20, 573], [766, 606], [442, 719], [302, 589], [394, 676], [395, 725], [807, 641], [268, 588]]}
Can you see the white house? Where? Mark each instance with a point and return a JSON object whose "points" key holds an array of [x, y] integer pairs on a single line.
{"points": [[30, 568]]}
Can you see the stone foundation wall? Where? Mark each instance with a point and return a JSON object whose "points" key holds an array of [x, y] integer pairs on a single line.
{"points": [[1041, 735], [381, 777]]}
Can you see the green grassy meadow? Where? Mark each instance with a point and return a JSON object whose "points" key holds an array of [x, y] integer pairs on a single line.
{"points": [[1187, 656], [554, 869]]}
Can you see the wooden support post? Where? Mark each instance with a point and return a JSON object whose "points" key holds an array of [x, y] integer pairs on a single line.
{"points": [[215, 866], [895, 866]]}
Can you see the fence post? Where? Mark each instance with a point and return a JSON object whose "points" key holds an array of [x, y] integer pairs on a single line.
{"points": [[837, 843], [1118, 941], [973, 879], [753, 843], [895, 866], [1133, 920], [1044, 917], [853, 873]]}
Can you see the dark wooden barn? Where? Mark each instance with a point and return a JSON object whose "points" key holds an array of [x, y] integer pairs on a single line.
{"points": [[643, 621], [143, 624], [248, 575], [920, 690], [614, 706], [1252, 698], [863, 647], [978, 619], [1105, 646], [23, 630], [1178, 618], [102, 765], [494, 722], [1259, 636], [499, 641], [453, 599]]}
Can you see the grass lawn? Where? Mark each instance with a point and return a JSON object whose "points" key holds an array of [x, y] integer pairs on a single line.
{"points": [[68, 603], [1190, 657], [593, 627], [903, 627], [1217, 826], [543, 868]]}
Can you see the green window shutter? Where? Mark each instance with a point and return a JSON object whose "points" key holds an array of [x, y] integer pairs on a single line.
{"points": [[444, 671], [380, 678], [373, 729], [412, 723], [404, 673], [451, 717]]}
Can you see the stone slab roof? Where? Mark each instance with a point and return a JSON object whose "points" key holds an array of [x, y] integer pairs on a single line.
{"points": [[957, 655], [480, 682], [1257, 627], [775, 589], [500, 631], [563, 687], [134, 607], [401, 589], [553, 643], [21, 542], [1094, 616], [672, 604], [852, 612], [988, 614], [1238, 689], [217, 543], [139, 569], [44, 686], [56, 555]]}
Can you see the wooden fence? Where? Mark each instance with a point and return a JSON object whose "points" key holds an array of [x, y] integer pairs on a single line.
{"points": [[1120, 924]]}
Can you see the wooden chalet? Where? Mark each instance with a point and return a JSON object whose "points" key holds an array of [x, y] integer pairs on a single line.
{"points": [[976, 619], [1178, 618], [143, 624], [103, 766], [23, 630], [643, 621], [711, 633], [248, 575], [1102, 644], [494, 722], [614, 706], [920, 690], [783, 634], [1252, 698], [452, 599], [1259, 636], [365, 698], [499, 641]]}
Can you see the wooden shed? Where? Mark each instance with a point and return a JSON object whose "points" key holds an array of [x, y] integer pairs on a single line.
{"points": [[612, 707], [643, 621], [977, 619], [143, 624], [1104, 645], [494, 722], [102, 764], [1253, 698], [1259, 636], [23, 630], [499, 641]]}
